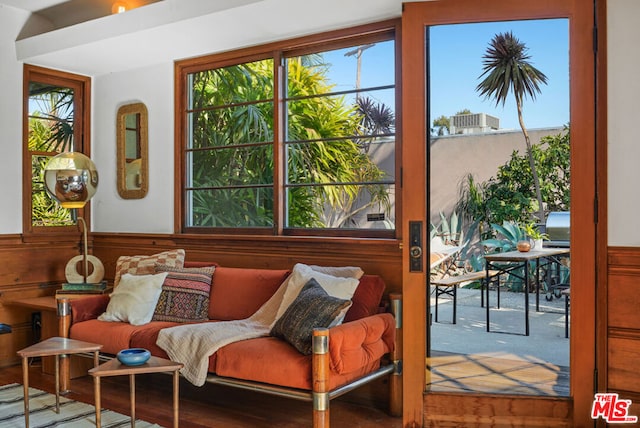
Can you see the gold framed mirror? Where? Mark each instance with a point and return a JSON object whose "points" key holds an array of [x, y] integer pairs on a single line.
{"points": [[132, 147]]}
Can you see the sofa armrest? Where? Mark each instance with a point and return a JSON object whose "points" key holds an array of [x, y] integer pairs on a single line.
{"points": [[77, 310], [88, 308], [358, 343]]}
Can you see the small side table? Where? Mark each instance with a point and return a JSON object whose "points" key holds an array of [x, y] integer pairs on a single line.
{"points": [[116, 368], [53, 346]]}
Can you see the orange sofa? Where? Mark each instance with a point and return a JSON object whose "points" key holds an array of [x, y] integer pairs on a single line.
{"points": [[361, 349]]}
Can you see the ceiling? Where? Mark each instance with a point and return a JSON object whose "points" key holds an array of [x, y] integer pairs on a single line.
{"points": [[32, 5], [54, 9], [82, 36], [64, 13]]}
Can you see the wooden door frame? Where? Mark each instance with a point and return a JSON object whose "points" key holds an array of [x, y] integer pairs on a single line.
{"points": [[416, 16]]}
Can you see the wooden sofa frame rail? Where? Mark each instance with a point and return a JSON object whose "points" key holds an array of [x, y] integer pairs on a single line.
{"points": [[320, 395]]}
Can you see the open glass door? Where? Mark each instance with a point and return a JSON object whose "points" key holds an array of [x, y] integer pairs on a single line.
{"points": [[498, 99], [418, 18]]}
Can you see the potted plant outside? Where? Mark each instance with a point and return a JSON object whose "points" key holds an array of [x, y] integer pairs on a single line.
{"points": [[531, 230]]}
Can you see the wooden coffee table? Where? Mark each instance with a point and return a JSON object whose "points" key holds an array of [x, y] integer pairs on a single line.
{"points": [[116, 368], [53, 346]]}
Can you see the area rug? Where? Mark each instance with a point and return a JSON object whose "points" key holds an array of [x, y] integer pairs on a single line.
{"points": [[42, 411]]}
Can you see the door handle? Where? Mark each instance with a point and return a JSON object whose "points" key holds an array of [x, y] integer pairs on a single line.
{"points": [[415, 252], [415, 249]]}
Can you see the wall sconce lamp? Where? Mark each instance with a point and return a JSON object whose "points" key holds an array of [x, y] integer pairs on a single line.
{"points": [[71, 179]]}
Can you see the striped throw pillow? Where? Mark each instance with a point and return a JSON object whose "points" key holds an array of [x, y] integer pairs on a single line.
{"points": [[185, 294]]}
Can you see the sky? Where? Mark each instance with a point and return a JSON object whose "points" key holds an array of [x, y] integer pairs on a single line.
{"points": [[455, 66]]}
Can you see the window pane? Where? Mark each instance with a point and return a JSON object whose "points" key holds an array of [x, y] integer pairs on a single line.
{"points": [[370, 209], [50, 118], [341, 134], [240, 207], [44, 210], [231, 85], [356, 192], [232, 167], [246, 124], [230, 147], [357, 67], [51, 128]]}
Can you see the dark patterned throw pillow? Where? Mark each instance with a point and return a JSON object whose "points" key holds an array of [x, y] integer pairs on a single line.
{"points": [[313, 308], [185, 294]]}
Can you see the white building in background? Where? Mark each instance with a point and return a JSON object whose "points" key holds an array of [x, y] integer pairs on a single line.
{"points": [[473, 123]]}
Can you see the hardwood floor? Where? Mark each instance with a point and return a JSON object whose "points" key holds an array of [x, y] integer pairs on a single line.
{"points": [[210, 405], [495, 375]]}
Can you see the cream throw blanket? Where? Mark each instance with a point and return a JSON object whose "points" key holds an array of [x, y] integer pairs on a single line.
{"points": [[193, 344]]}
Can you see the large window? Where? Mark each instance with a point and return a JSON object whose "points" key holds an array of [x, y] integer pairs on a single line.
{"points": [[291, 141], [55, 118]]}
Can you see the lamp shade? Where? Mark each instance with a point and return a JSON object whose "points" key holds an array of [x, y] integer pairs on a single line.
{"points": [[71, 178]]}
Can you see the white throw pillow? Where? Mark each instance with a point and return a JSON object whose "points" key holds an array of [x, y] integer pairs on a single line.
{"points": [[340, 287], [340, 271], [134, 299]]}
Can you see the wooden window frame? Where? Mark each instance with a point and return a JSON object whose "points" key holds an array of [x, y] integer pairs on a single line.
{"points": [[277, 51], [82, 125]]}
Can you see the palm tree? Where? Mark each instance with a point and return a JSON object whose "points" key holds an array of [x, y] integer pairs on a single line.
{"points": [[506, 67]]}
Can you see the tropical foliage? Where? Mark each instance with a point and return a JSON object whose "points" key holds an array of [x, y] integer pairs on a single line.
{"points": [[510, 195], [506, 68], [327, 138], [506, 237], [500, 211], [50, 132]]}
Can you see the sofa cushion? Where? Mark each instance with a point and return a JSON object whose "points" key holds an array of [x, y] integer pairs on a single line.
{"points": [[135, 299], [144, 265], [185, 294], [114, 336], [254, 360], [356, 343], [312, 308], [236, 293], [366, 300], [342, 287], [145, 336]]}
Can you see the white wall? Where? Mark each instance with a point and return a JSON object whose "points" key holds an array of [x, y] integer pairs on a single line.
{"points": [[623, 63], [152, 86], [11, 21]]}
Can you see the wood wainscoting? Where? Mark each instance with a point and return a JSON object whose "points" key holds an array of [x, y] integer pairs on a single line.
{"points": [[375, 256], [30, 269], [449, 409], [622, 315]]}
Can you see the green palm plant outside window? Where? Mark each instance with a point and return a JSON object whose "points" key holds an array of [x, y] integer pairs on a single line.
{"points": [[329, 179], [50, 132], [507, 69]]}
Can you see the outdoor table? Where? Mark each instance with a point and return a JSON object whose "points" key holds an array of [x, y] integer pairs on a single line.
{"points": [[510, 261]]}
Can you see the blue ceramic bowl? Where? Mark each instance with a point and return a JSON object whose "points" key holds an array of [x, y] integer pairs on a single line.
{"points": [[133, 356]]}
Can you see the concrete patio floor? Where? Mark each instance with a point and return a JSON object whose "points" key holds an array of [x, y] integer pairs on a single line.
{"points": [[546, 342]]}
